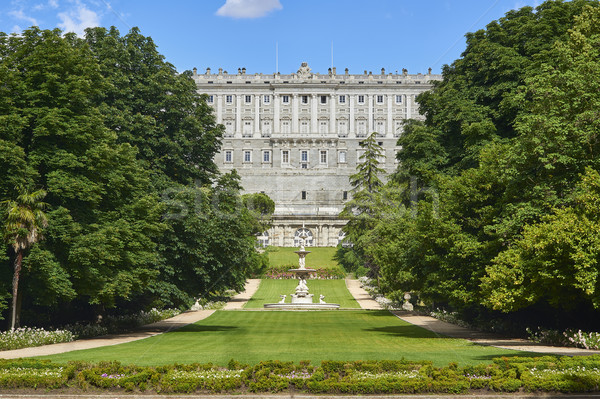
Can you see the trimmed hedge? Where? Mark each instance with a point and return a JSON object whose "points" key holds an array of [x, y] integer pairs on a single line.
{"points": [[282, 272], [540, 374]]}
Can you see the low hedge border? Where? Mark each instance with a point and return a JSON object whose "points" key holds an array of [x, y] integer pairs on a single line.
{"points": [[516, 374]]}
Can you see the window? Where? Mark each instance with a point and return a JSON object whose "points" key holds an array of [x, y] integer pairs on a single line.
{"points": [[303, 195], [398, 128], [362, 129], [304, 99], [323, 157], [380, 128], [345, 195], [266, 128], [211, 99], [229, 99], [342, 128], [342, 157], [379, 99], [285, 156], [323, 127], [323, 99], [308, 241], [304, 156], [228, 156], [304, 127], [342, 99], [398, 99], [247, 132], [248, 99], [247, 156], [285, 99], [304, 166], [267, 156], [266, 99], [361, 99], [285, 127], [229, 128]]}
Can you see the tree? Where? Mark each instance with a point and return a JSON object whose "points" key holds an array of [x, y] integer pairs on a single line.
{"points": [[368, 170], [24, 221], [361, 210], [507, 133]]}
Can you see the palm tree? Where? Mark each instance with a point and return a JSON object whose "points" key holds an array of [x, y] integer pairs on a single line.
{"points": [[24, 219]]}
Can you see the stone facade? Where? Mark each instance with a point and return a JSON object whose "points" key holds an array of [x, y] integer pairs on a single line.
{"points": [[296, 138]]}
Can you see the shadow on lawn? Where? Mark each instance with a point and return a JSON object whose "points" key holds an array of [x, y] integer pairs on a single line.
{"points": [[204, 328], [406, 332]]}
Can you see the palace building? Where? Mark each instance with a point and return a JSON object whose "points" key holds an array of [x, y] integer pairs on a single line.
{"points": [[296, 138]]}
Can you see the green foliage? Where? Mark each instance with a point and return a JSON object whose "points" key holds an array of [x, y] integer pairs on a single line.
{"points": [[118, 139], [532, 375], [499, 174]]}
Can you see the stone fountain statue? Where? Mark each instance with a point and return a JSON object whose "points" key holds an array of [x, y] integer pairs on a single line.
{"points": [[301, 299]]}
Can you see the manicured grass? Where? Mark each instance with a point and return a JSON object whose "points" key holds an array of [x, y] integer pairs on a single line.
{"points": [[335, 291], [253, 336], [320, 257]]}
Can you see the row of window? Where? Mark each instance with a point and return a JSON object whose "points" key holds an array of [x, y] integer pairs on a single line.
{"points": [[304, 127], [380, 99], [285, 157]]}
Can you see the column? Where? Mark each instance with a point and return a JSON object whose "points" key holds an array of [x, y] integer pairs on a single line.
{"points": [[276, 121], [370, 122], [238, 115], [389, 132], [408, 103], [219, 108], [295, 113], [256, 115], [314, 128], [332, 118], [351, 127]]}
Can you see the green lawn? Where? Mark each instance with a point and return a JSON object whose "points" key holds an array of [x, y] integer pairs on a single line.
{"points": [[320, 257], [335, 291], [253, 336]]}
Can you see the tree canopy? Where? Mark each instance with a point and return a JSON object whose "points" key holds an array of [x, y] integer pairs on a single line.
{"points": [[123, 146], [502, 169]]}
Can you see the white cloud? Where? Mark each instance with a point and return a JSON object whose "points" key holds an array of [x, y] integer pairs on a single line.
{"points": [[43, 6], [248, 8], [78, 19], [19, 14]]}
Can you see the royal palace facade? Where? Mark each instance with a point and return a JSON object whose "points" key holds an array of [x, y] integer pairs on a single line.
{"points": [[296, 138]]}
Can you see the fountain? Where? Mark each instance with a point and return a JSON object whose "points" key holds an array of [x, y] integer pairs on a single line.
{"points": [[301, 299]]}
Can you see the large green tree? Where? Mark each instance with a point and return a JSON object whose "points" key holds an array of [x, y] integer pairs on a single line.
{"points": [[507, 135], [113, 132]]}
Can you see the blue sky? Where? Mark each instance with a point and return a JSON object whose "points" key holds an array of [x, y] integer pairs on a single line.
{"points": [[365, 34]]}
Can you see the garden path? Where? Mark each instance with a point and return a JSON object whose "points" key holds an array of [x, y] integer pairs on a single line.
{"points": [[146, 331], [362, 297], [481, 338]]}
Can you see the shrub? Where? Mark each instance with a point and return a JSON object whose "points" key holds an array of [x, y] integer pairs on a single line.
{"points": [[28, 337]]}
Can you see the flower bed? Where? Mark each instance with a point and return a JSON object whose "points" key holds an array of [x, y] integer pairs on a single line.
{"points": [[517, 374], [576, 339], [281, 272], [28, 337]]}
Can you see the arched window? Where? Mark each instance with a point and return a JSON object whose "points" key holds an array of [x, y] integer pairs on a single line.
{"points": [[263, 239], [308, 240], [341, 237]]}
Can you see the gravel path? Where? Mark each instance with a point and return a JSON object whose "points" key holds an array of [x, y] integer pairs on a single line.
{"points": [[146, 331], [362, 297], [481, 338], [450, 330]]}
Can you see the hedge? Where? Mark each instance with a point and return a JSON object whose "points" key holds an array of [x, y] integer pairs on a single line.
{"points": [[516, 374]]}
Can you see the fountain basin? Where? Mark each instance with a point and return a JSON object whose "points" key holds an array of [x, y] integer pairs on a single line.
{"points": [[302, 306]]}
